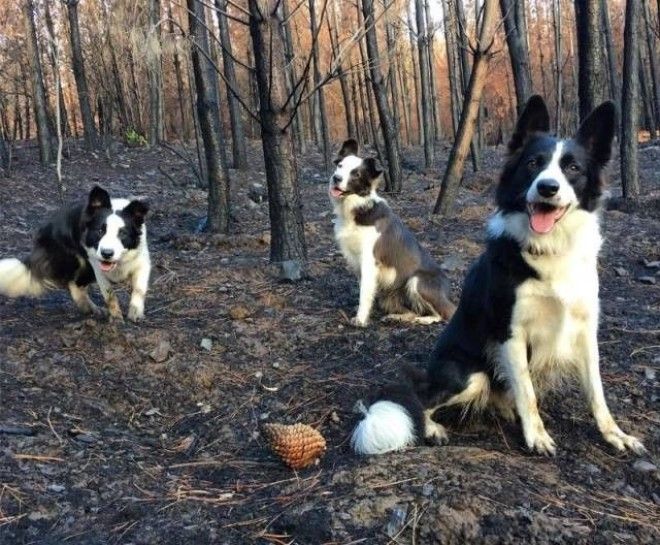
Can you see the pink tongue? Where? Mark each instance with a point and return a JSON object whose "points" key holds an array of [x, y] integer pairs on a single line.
{"points": [[335, 192], [543, 222], [105, 267]]}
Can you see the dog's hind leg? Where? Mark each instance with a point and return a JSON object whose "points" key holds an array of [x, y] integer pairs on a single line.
{"points": [[81, 298], [411, 317], [428, 295]]}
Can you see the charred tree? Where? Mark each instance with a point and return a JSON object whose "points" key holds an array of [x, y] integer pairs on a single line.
{"points": [[461, 146], [652, 61], [591, 76], [351, 128], [559, 80], [320, 95], [77, 59], [208, 113], [629, 108], [239, 148], [155, 74], [615, 91], [427, 121], [513, 13], [387, 126], [287, 245], [44, 135]]}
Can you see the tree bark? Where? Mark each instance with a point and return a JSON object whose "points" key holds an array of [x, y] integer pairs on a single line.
{"points": [[44, 136], [415, 69], [453, 66], [183, 129], [53, 57], [461, 146], [591, 77], [89, 128], [387, 126], [208, 111], [286, 219], [653, 62], [615, 91], [513, 13], [430, 52], [559, 82], [647, 101], [155, 74], [341, 75], [629, 108], [239, 148], [427, 120], [320, 95]]}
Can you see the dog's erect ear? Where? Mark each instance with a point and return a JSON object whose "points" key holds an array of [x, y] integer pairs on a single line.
{"points": [[597, 132], [371, 166], [349, 147], [534, 118], [98, 198], [137, 210]]}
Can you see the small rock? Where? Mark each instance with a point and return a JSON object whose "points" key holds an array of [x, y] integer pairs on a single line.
{"points": [[291, 270], [592, 468], [276, 365], [452, 263], [56, 488], [644, 467], [258, 375], [649, 373], [161, 352], [85, 438], [647, 279], [153, 411], [620, 271], [335, 417], [397, 520], [652, 264], [206, 344], [239, 312], [427, 489]]}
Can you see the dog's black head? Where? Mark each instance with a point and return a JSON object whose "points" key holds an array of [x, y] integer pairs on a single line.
{"points": [[546, 177], [353, 175], [111, 228]]}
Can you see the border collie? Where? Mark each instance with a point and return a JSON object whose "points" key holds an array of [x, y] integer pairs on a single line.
{"points": [[528, 315], [381, 250], [103, 241]]}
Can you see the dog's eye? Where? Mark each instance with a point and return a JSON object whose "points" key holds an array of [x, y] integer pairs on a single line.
{"points": [[573, 167], [533, 163]]}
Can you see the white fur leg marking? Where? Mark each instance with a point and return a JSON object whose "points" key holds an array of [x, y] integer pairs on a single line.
{"points": [[513, 358], [434, 431], [108, 295], [368, 287], [140, 284], [593, 389], [411, 317], [387, 426]]}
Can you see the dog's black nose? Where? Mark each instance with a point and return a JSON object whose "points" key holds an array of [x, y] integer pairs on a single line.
{"points": [[336, 179], [107, 254], [547, 188]]}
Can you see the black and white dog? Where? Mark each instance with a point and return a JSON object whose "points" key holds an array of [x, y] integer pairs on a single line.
{"points": [[528, 315], [103, 241], [380, 249]]}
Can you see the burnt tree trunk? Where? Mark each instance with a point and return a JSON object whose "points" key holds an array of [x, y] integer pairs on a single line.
{"points": [[415, 73], [320, 95], [453, 66], [645, 96], [615, 91], [430, 51], [44, 136], [461, 146], [559, 81], [89, 127], [343, 81], [652, 61], [427, 120], [52, 56], [155, 74], [208, 112], [629, 104], [591, 76], [239, 149], [513, 13], [387, 126], [180, 91], [287, 245]]}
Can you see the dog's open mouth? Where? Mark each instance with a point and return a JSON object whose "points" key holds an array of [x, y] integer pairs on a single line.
{"points": [[543, 216], [336, 192], [107, 266]]}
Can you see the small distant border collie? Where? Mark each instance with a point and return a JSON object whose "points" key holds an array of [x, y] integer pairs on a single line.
{"points": [[381, 250], [528, 315], [103, 241]]}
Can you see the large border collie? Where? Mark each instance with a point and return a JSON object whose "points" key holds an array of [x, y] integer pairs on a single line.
{"points": [[380, 249], [528, 315], [103, 241]]}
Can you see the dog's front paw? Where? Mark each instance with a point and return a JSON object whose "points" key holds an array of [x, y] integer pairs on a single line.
{"points": [[135, 313], [541, 443], [435, 434], [359, 321], [622, 441]]}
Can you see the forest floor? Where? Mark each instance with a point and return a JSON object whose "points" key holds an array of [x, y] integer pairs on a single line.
{"points": [[138, 434]]}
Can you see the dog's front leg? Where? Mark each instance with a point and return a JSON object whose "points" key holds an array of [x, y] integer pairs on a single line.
{"points": [[513, 358], [139, 286], [109, 295], [593, 389], [368, 288]]}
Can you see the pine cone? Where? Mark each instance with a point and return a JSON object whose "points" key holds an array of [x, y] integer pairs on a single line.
{"points": [[298, 445]]}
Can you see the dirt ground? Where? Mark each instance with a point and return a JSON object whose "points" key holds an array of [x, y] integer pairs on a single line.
{"points": [[149, 434]]}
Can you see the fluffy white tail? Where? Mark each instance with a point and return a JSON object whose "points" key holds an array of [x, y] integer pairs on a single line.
{"points": [[16, 279], [386, 426]]}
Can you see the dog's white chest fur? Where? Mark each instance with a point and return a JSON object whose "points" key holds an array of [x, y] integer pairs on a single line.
{"points": [[354, 240], [558, 310]]}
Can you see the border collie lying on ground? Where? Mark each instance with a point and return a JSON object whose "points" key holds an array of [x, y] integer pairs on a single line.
{"points": [[103, 241], [381, 250], [528, 315]]}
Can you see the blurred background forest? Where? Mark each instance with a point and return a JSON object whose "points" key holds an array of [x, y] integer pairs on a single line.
{"points": [[305, 74]]}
